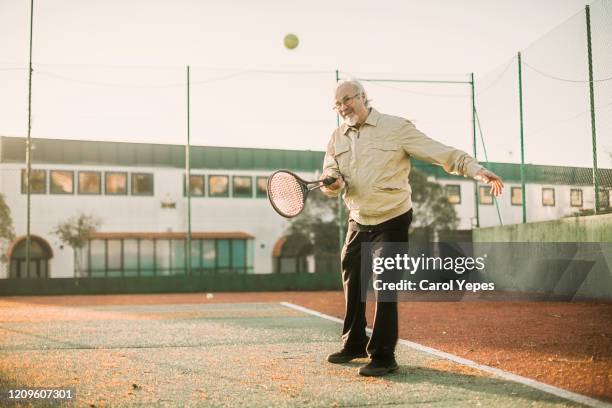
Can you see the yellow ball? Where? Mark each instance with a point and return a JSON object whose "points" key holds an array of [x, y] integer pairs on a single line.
{"points": [[291, 41]]}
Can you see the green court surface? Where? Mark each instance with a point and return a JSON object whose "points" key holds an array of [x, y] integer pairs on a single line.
{"points": [[258, 354]]}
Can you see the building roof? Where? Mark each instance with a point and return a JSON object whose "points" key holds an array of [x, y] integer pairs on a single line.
{"points": [[81, 152], [122, 154], [534, 173], [170, 235]]}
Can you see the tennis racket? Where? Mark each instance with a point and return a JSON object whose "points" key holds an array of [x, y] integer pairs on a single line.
{"points": [[287, 192]]}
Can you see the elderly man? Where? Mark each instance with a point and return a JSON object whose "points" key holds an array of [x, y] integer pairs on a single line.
{"points": [[369, 154]]}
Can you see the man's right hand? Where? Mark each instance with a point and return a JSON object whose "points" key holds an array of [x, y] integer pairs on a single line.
{"points": [[330, 190]]}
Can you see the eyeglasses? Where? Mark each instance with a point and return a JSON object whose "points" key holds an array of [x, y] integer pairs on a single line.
{"points": [[345, 101]]}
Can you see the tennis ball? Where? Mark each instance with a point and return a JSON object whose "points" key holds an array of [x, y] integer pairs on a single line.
{"points": [[209, 296], [291, 41]]}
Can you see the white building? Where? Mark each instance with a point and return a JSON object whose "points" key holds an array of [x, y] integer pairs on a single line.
{"points": [[137, 191]]}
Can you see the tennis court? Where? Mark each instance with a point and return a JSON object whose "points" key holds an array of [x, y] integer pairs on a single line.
{"points": [[223, 354]]}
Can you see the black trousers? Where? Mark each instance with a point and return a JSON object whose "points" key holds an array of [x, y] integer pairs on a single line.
{"points": [[385, 328]]}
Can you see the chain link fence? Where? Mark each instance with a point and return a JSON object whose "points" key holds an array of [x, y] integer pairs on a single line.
{"points": [[549, 109]]}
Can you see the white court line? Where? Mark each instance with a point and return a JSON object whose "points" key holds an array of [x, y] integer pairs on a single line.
{"points": [[559, 392]]}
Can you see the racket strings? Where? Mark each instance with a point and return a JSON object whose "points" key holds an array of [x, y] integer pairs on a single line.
{"points": [[287, 194]]}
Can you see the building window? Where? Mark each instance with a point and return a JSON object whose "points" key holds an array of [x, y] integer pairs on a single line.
{"points": [[115, 183], [39, 181], [516, 196], [146, 257], [453, 193], [97, 258], [218, 186], [605, 197], [239, 254], [162, 257], [89, 182], [177, 256], [484, 195], [242, 186], [196, 185], [195, 254], [142, 184], [115, 257], [576, 197], [61, 182], [130, 257], [209, 254], [548, 197], [223, 255], [262, 187]]}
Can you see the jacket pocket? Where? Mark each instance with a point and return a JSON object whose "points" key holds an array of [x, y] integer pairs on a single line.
{"points": [[384, 154], [386, 146], [342, 155], [386, 158]]}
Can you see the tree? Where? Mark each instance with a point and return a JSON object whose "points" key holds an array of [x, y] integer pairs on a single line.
{"points": [[7, 232], [74, 232], [431, 207], [316, 228]]}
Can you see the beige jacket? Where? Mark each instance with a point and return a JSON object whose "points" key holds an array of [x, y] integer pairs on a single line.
{"points": [[374, 161]]}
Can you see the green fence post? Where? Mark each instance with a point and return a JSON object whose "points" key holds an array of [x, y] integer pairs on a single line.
{"points": [[523, 192], [592, 98], [29, 151], [188, 185], [340, 212], [474, 145]]}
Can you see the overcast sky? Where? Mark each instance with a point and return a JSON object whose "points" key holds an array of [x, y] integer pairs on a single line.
{"points": [[115, 70]]}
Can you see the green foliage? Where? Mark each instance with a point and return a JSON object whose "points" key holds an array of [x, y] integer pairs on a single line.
{"points": [[7, 232], [430, 205], [74, 232], [318, 223], [585, 212]]}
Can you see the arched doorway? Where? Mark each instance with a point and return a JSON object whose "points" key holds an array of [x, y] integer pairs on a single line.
{"points": [[290, 254], [40, 254]]}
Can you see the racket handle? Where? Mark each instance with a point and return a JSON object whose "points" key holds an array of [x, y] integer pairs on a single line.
{"points": [[329, 180]]}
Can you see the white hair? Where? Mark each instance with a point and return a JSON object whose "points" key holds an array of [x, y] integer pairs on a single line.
{"points": [[358, 89]]}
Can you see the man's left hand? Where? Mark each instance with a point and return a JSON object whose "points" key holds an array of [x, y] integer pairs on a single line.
{"points": [[491, 179]]}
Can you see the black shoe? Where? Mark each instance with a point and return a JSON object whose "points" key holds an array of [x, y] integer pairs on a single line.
{"points": [[344, 356], [376, 368]]}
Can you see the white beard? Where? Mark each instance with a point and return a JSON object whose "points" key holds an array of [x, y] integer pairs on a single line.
{"points": [[351, 120]]}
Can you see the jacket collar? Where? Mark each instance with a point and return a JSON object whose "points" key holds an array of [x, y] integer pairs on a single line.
{"points": [[371, 120]]}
